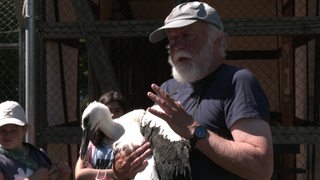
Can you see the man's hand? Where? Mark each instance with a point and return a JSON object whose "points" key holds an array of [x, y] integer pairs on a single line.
{"points": [[128, 163], [173, 112]]}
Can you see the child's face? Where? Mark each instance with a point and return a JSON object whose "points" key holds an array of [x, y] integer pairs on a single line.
{"points": [[115, 109], [11, 136]]}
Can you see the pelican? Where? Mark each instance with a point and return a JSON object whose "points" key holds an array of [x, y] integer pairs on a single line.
{"points": [[170, 158]]}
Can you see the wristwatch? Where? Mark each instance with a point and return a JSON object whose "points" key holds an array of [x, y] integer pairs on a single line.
{"points": [[199, 132]]}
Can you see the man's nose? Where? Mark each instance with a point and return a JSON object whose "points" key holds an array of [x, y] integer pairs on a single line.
{"points": [[178, 43]]}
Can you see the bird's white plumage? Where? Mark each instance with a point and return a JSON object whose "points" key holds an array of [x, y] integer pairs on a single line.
{"points": [[131, 137], [97, 112], [100, 117], [126, 131], [131, 124]]}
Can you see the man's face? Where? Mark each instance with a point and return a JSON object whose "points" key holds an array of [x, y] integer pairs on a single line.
{"points": [[191, 52]]}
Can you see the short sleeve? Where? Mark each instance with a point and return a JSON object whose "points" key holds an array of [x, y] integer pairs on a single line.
{"points": [[248, 100]]}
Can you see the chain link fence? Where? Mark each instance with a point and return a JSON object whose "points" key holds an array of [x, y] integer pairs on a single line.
{"points": [[88, 47], [9, 52]]}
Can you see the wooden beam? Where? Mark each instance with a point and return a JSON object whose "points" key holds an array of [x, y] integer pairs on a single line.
{"points": [[65, 135], [234, 27], [9, 45], [258, 54], [273, 26], [296, 135]]}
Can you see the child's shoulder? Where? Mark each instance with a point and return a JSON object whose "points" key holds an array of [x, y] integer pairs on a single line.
{"points": [[38, 154]]}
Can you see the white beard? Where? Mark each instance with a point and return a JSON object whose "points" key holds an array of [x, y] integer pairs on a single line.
{"points": [[199, 66]]}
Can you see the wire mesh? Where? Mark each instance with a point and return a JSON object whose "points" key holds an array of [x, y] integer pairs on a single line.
{"points": [[9, 52], [88, 47]]}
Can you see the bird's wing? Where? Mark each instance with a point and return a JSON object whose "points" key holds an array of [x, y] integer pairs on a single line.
{"points": [[170, 150]]}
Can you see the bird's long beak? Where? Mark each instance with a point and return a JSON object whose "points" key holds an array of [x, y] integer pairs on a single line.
{"points": [[86, 135]]}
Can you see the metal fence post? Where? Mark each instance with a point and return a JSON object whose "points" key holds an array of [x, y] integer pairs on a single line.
{"points": [[30, 75]]}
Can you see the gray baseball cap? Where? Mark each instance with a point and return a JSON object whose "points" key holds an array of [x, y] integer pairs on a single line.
{"points": [[12, 113], [185, 14]]}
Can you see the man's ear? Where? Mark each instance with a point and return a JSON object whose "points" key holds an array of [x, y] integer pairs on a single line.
{"points": [[219, 39]]}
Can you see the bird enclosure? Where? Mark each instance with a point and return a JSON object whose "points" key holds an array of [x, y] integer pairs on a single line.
{"points": [[67, 53]]}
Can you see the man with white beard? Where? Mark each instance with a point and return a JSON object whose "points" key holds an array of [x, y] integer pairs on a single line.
{"points": [[221, 109]]}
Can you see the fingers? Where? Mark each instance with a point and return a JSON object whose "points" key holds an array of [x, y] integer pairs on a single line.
{"points": [[140, 154], [88, 164], [171, 108], [157, 89], [173, 111], [160, 92], [165, 101], [140, 163], [128, 163], [142, 166], [160, 96]]}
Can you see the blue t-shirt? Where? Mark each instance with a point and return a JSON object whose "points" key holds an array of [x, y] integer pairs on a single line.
{"points": [[216, 102], [12, 168]]}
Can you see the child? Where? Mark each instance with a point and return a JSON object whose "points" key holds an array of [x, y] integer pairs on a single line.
{"points": [[98, 161], [21, 160]]}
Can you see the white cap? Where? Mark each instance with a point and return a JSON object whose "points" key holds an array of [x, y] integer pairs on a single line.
{"points": [[12, 113], [185, 14]]}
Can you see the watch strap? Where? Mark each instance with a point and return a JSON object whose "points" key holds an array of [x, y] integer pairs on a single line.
{"points": [[193, 142]]}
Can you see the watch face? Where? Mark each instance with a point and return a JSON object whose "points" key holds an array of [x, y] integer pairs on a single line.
{"points": [[200, 132]]}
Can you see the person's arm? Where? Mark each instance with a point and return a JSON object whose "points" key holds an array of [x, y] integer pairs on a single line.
{"points": [[249, 155], [84, 172]]}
